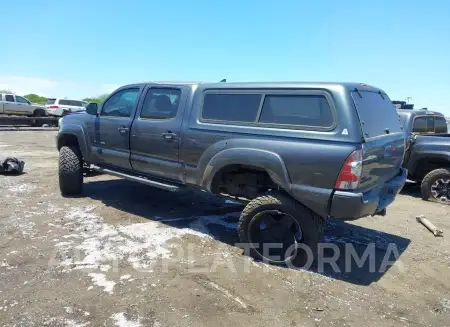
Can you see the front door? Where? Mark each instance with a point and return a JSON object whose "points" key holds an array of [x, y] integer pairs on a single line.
{"points": [[23, 105], [111, 135], [155, 134]]}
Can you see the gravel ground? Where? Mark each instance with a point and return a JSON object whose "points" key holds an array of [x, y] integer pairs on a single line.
{"points": [[125, 254]]}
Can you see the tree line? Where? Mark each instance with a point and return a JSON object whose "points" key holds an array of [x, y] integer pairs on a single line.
{"points": [[35, 98]]}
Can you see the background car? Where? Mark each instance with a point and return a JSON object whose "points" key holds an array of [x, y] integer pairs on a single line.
{"points": [[11, 104], [56, 107]]}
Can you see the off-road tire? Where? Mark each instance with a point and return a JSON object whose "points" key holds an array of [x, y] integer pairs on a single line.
{"points": [[429, 180], [312, 225], [70, 171]]}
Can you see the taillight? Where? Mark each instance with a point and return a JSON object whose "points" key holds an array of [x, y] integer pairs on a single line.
{"points": [[350, 174], [53, 107]]}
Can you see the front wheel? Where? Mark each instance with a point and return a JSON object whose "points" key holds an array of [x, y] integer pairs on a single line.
{"points": [[279, 230], [70, 171], [436, 186]]}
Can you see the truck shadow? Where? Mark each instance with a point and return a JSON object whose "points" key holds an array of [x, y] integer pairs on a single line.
{"points": [[218, 218], [412, 189]]}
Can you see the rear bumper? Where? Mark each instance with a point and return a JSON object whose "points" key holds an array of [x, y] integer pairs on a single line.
{"points": [[60, 111], [54, 112], [349, 206]]}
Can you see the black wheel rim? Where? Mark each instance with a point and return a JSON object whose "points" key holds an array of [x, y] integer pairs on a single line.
{"points": [[440, 189], [274, 234]]}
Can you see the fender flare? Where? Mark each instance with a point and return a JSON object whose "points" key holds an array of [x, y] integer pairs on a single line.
{"points": [[429, 156], [78, 132], [269, 161]]}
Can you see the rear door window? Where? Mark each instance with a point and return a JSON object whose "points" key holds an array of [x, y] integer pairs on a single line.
{"points": [[161, 103], [231, 107], [76, 103], [377, 114], [300, 110], [64, 102], [9, 98]]}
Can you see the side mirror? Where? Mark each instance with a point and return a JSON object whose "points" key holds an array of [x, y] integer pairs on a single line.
{"points": [[92, 108]]}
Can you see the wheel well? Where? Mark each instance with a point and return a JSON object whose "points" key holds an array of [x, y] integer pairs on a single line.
{"points": [[424, 166], [38, 110], [242, 181], [68, 140]]}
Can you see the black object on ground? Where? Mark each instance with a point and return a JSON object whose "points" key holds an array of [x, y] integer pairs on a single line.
{"points": [[11, 165]]}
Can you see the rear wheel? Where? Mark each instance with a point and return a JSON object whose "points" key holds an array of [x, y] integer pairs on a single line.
{"points": [[70, 171], [436, 186], [280, 230], [38, 113]]}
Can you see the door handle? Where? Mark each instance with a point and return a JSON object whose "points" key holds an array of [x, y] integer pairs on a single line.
{"points": [[169, 135]]}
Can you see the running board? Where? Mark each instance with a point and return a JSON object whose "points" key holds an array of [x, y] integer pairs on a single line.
{"points": [[142, 180]]}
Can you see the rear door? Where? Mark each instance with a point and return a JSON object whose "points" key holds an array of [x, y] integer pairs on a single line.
{"points": [[156, 133], [76, 105], [111, 130], [383, 137], [64, 105], [10, 104]]}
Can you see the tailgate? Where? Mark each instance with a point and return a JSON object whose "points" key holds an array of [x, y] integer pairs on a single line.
{"points": [[384, 139]]}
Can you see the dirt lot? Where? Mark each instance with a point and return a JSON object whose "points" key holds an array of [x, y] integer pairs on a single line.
{"points": [[128, 255]]}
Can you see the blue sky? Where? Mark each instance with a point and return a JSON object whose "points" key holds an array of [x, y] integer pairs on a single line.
{"points": [[84, 48]]}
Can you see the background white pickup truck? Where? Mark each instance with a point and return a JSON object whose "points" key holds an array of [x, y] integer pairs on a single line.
{"points": [[11, 104]]}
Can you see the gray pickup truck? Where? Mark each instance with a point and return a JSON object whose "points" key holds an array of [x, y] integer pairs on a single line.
{"points": [[427, 156], [11, 104], [298, 152]]}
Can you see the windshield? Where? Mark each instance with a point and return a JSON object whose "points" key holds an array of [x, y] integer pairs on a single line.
{"points": [[50, 101], [377, 114]]}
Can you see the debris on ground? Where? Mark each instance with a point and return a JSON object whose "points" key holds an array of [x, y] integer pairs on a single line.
{"points": [[11, 165], [433, 229]]}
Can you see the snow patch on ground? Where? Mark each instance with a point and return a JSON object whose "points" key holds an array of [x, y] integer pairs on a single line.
{"points": [[100, 280], [21, 188], [6, 265], [121, 321], [94, 244], [72, 323], [27, 228], [51, 209], [97, 243], [68, 309]]}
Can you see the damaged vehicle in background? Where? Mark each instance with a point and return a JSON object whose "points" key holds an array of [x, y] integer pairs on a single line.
{"points": [[297, 152]]}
